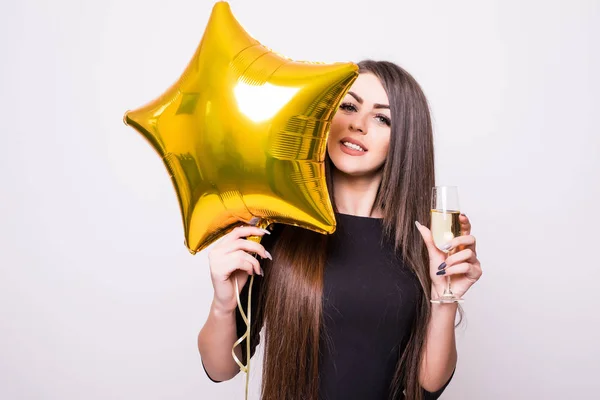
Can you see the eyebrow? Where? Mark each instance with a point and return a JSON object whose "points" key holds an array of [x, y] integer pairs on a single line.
{"points": [[360, 101]]}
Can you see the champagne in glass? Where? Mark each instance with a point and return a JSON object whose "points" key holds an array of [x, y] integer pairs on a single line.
{"points": [[445, 226]]}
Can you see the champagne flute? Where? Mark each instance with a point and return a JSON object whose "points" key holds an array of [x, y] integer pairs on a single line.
{"points": [[445, 226]]}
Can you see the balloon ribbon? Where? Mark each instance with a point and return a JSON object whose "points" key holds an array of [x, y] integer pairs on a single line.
{"points": [[263, 224]]}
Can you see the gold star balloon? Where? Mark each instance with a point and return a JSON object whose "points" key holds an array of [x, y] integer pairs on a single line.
{"points": [[243, 134]]}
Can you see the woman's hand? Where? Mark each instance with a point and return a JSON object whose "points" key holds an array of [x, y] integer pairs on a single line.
{"points": [[229, 260], [462, 263]]}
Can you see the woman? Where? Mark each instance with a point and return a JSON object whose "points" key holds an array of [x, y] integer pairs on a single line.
{"points": [[347, 315]]}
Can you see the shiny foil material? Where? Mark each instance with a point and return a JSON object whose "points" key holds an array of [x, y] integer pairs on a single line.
{"points": [[243, 134]]}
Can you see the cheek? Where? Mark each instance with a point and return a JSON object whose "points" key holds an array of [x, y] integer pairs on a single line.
{"points": [[383, 145], [386, 146], [381, 152], [337, 123]]}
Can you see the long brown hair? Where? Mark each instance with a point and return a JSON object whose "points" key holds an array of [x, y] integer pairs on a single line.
{"points": [[291, 301]]}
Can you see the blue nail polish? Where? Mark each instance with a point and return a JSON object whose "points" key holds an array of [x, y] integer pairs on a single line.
{"points": [[442, 272], [442, 266]]}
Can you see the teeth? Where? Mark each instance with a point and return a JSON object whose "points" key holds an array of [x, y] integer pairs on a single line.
{"points": [[353, 146]]}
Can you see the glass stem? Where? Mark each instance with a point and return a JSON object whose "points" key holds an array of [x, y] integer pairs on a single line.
{"points": [[448, 290]]}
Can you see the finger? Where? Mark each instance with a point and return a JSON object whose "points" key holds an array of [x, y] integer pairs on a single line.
{"points": [[462, 268], [218, 242], [463, 242], [227, 266], [245, 231], [472, 271], [465, 224], [250, 247], [427, 237], [475, 272], [243, 261], [466, 255], [254, 263]]}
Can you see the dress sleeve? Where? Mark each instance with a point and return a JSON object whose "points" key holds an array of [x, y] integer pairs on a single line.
{"points": [[257, 314], [436, 395]]}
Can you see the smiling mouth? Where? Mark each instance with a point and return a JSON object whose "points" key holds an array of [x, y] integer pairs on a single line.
{"points": [[353, 146]]}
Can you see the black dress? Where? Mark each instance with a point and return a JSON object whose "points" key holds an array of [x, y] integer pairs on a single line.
{"points": [[369, 302]]}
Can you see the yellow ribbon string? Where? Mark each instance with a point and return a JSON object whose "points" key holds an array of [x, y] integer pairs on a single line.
{"points": [[244, 368], [247, 318]]}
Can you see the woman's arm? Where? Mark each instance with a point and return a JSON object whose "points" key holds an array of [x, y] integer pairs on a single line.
{"points": [[215, 340], [439, 355], [231, 263]]}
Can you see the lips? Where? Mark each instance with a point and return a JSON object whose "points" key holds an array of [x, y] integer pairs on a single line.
{"points": [[354, 141]]}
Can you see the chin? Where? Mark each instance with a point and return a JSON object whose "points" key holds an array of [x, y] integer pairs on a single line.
{"points": [[352, 166]]}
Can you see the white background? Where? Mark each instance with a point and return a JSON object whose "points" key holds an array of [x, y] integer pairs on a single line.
{"points": [[99, 298]]}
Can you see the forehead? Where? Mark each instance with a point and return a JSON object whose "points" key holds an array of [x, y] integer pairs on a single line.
{"points": [[369, 87]]}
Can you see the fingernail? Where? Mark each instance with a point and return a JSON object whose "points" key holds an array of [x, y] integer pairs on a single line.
{"points": [[442, 265], [442, 272], [266, 231], [463, 214], [447, 246], [418, 224], [254, 221], [268, 255], [262, 273]]}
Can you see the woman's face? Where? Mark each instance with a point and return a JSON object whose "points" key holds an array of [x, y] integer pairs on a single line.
{"points": [[360, 130]]}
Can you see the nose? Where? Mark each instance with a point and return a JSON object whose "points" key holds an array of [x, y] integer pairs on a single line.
{"points": [[358, 124]]}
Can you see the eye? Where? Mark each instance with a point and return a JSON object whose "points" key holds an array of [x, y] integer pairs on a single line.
{"points": [[348, 107], [384, 119]]}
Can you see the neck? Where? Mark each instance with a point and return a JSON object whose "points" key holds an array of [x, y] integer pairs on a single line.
{"points": [[355, 195]]}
